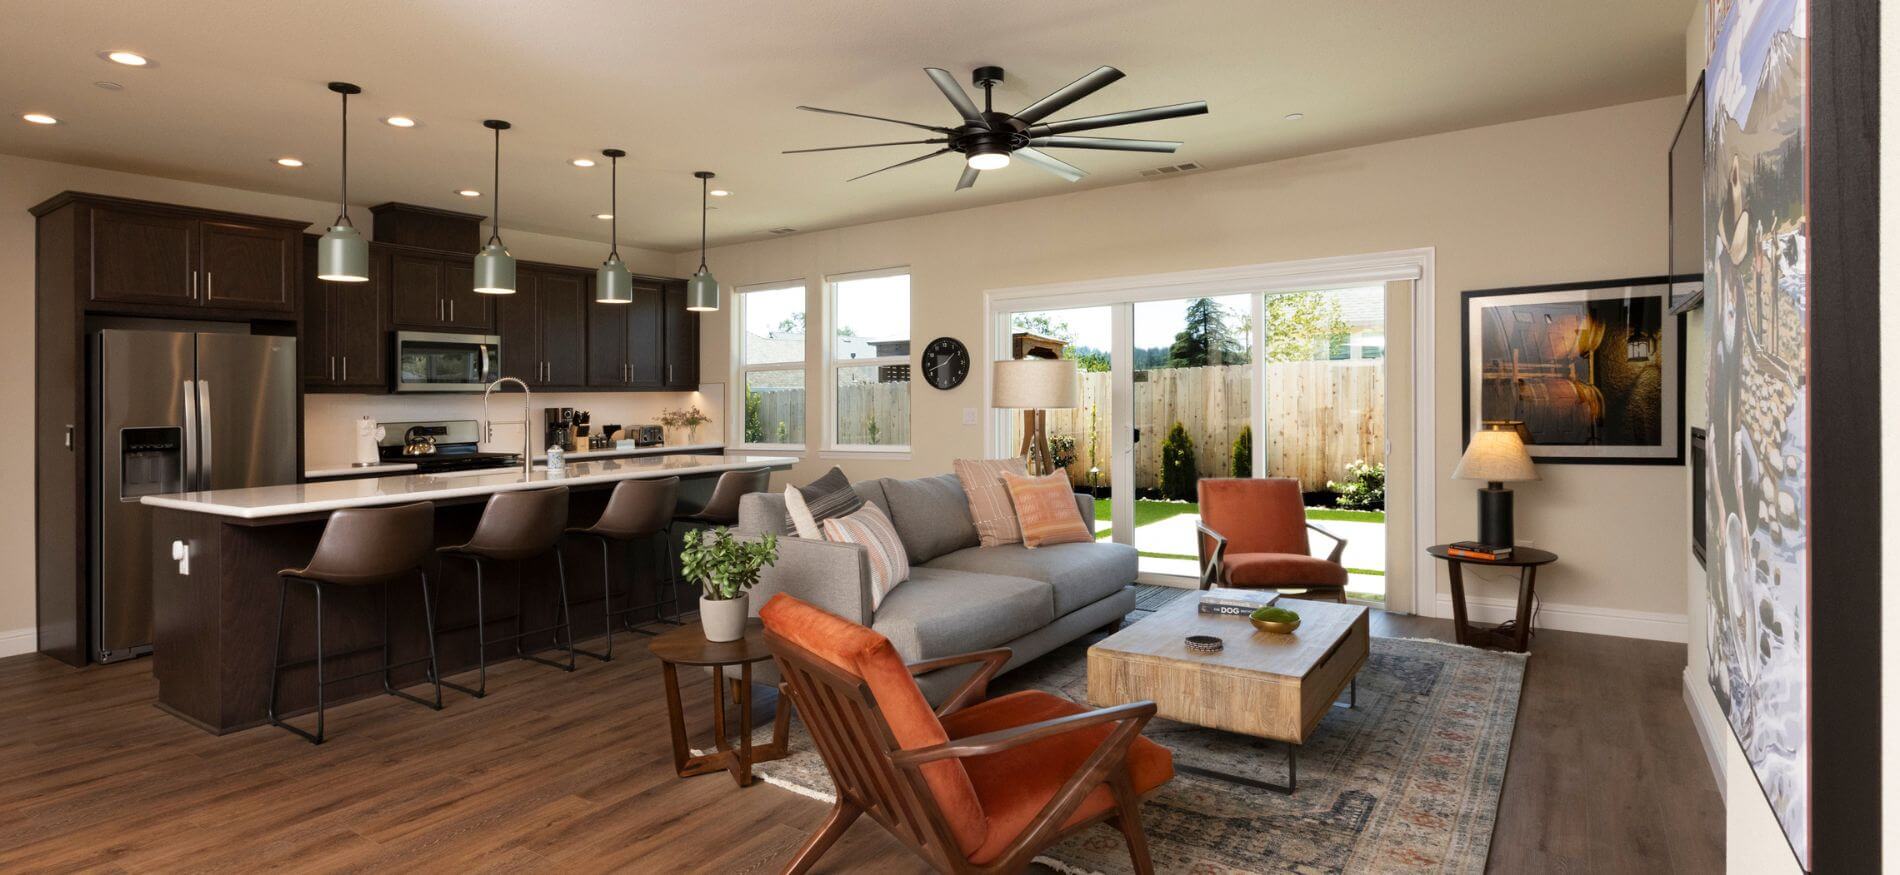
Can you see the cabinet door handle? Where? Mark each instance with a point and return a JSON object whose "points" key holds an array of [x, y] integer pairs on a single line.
{"points": [[451, 309], [333, 367], [69, 435], [194, 285], [346, 369], [208, 276]]}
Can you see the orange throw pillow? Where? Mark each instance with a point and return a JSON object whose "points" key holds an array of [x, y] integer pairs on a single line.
{"points": [[990, 508], [1046, 510]]}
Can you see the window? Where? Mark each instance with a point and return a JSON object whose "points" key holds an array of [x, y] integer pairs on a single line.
{"points": [[868, 347], [771, 360]]}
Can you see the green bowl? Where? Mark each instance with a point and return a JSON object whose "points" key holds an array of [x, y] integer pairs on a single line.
{"points": [[1277, 620]]}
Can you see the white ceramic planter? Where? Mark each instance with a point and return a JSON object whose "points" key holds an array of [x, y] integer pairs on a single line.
{"points": [[724, 619]]}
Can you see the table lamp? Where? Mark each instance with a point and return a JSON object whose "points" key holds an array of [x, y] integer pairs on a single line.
{"points": [[1496, 456], [1034, 385]]}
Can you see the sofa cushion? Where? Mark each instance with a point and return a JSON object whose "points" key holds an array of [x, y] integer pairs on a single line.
{"points": [[1280, 569], [825, 498], [1046, 509], [932, 515], [982, 481], [939, 612], [1081, 574], [872, 530]]}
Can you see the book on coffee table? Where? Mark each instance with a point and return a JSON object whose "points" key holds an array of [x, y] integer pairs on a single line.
{"points": [[1236, 601]]}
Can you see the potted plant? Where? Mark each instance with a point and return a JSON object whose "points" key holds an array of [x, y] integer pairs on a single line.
{"points": [[725, 567]]}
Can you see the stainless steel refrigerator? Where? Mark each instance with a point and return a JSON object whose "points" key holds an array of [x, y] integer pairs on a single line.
{"points": [[175, 412]]}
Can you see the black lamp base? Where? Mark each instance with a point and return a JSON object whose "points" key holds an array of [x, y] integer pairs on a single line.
{"points": [[1494, 516]]}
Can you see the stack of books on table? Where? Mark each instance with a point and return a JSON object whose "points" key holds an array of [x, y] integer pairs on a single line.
{"points": [[1236, 601], [1475, 550]]}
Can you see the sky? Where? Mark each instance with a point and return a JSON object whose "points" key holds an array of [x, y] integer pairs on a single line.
{"points": [[874, 309]]}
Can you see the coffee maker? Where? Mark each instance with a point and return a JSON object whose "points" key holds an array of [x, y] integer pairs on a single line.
{"points": [[560, 427]]}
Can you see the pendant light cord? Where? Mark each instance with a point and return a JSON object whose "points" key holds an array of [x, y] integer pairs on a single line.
{"points": [[613, 207], [702, 224], [343, 196], [495, 237]]}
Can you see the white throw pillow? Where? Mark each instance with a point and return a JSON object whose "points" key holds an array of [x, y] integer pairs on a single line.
{"points": [[802, 523], [890, 565]]}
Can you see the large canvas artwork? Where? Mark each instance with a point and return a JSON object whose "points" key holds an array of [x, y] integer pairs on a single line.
{"points": [[1755, 191], [1591, 372]]}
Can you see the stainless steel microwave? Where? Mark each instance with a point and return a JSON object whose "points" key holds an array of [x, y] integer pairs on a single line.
{"points": [[428, 361]]}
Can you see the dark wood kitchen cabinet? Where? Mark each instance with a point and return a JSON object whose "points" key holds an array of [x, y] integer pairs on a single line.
{"points": [[345, 343], [435, 292], [543, 326], [681, 341], [143, 255], [625, 342]]}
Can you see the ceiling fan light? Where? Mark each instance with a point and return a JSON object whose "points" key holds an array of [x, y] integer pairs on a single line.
{"points": [[343, 256], [494, 270], [988, 159]]}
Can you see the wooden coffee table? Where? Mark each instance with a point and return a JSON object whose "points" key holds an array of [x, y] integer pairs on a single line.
{"points": [[1260, 684]]}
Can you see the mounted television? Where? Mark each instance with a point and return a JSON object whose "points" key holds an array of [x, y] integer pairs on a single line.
{"points": [[1685, 208]]}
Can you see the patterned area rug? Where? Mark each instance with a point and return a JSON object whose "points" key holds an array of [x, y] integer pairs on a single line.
{"points": [[1407, 781]]}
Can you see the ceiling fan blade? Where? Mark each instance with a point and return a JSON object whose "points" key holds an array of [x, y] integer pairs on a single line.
{"points": [[969, 177], [1106, 143], [877, 118], [865, 146], [1052, 164], [899, 164], [958, 97], [1067, 94], [1114, 119]]}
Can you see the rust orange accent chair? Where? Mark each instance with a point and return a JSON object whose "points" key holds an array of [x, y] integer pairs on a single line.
{"points": [[1253, 536], [980, 784]]}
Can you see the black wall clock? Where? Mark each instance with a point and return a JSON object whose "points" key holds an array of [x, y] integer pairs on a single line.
{"points": [[946, 363]]}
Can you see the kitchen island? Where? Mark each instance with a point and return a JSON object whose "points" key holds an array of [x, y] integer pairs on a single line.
{"points": [[215, 609]]}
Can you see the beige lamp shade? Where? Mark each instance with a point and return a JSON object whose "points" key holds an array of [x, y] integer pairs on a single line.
{"points": [[1496, 456], [1033, 384]]}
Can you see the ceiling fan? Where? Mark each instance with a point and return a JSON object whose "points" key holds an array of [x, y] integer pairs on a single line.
{"points": [[987, 139]]}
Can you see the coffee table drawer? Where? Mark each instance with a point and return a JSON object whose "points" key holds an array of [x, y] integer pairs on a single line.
{"points": [[1321, 688]]}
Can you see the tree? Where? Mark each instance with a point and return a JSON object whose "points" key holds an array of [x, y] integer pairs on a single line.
{"points": [[793, 324], [754, 430], [1298, 322], [1240, 460], [1178, 476], [1207, 339], [1040, 323], [1092, 361]]}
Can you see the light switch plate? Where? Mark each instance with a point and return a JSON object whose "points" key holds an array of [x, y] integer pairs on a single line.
{"points": [[969, 416]]}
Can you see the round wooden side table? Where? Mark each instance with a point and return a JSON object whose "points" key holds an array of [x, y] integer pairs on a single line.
{"points": [[687, 645], [1515, 635]]}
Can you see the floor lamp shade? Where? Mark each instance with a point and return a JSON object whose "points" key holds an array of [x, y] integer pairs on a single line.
{"points": [[1033, 384], [343, 256]]}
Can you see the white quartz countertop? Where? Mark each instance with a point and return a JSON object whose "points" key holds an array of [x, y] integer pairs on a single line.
{"points": [[262, 502], [577, 454], [345, 469]]}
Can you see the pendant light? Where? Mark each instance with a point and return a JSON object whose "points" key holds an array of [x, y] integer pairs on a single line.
{"points": [[494, 266], [343, 254], [612, 283], [702, 291]]}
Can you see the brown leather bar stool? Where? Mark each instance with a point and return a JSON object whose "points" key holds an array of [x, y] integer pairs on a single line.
{"points": [[516, 526], [722, 509], [637, 510], [361, 547]]}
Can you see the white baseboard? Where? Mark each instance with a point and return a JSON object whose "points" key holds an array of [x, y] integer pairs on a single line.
{"points": [[1708, 730], [1578, 618], [14, 642]]}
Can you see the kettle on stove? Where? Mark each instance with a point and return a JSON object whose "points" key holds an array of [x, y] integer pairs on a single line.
{"points": [[419, 440]]}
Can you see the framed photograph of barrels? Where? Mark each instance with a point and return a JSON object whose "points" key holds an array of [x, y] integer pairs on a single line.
{"points": [[1590, 372]]}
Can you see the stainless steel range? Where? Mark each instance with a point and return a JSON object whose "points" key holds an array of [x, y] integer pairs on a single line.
{"points": [[438, 446]]}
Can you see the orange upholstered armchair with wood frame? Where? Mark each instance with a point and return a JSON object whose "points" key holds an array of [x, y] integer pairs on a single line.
{"points": [[978, 785], [1253, 535]]}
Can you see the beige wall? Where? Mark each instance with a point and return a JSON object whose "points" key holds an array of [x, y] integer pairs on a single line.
{"points": [[1571, 197], [25, 182]]}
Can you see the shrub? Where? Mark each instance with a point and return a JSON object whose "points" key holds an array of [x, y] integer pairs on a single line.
{"points": [[1062, 449], [1364, 487], [754, 430], [1240, 461], [1178, 477], [870, 429]]}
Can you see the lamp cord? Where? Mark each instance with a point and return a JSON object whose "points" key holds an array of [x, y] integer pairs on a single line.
{"points": [[613, 206], [702, 224], [495, 237], [343, 195]]}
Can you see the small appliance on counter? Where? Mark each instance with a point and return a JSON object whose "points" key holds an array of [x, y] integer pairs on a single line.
{"points": [[367, 452], [453, 445], [650, 436], [604, 439], [560, 427]]}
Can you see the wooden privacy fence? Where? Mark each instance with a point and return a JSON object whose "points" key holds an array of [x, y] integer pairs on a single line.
{"points": [[1321, 416], [859, 406]]}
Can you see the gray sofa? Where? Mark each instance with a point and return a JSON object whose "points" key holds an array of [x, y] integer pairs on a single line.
{"points": [[960, 597]]}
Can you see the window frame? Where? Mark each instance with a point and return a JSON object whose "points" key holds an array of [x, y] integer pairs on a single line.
{"points": [[833, 449], [741, 369]]}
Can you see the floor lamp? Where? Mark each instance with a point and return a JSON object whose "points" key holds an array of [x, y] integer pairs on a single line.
{"points": [[1034, 386]]}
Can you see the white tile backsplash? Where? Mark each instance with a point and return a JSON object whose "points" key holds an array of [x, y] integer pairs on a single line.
{"points": [[329, 422]]}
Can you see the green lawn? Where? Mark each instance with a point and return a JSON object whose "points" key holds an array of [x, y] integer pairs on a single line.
{"points": [[1153, 511]]}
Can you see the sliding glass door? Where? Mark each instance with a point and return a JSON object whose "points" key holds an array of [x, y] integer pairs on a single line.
{"points": [[1080, 438]]}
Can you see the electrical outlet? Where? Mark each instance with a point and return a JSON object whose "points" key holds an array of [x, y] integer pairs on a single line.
{"points": [[969, 416]]}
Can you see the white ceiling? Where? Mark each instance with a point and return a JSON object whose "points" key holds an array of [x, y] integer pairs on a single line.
{"points": [[711, 85]]}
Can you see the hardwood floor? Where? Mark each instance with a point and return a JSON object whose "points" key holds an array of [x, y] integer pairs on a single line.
{"points": [[556, 771]]}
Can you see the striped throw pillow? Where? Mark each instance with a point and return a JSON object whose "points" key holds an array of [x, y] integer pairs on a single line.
{"points": [[1046, 510], [869, 527], [990, 507], [828, 496]]}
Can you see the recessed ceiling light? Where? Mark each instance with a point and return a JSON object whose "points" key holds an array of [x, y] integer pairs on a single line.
{"points": [[719, 192], [1294, 116], [39, 118], [129, 59], [468, 192], [603, 216], [400, 121], [109, 86], [290, 162], [582, 162]]}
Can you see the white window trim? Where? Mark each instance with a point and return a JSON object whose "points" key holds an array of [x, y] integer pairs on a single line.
{"points": [[833, 449], [740, 369]]}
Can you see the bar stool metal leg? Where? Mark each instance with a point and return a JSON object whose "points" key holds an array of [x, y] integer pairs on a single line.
{"points": [[566, 623], [481, 641], [388, 660], [277, 663], [607, 603]]}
